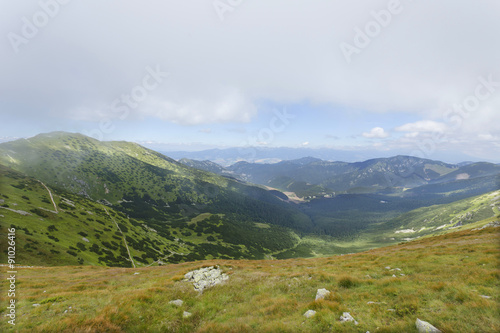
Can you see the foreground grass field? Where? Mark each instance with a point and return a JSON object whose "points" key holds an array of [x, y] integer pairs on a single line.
{"points": [[451, 281]]}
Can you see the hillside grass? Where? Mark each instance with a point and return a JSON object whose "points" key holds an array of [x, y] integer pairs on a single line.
{"points": [[443, 283], [84, 232]]}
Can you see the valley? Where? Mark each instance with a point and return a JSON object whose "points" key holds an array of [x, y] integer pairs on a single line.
{"points": [[77, 200]]}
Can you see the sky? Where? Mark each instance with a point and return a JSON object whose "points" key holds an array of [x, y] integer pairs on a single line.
{"points": [[410, 76]]}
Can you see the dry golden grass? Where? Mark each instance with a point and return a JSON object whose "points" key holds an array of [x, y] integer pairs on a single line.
{"points": [[444, 280]]}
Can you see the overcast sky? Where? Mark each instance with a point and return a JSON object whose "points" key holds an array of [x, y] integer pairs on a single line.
{"points": [[417, 77]]}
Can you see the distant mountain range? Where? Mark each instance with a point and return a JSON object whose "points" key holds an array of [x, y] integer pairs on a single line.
{"points": [[230, 156], [311, 176]]}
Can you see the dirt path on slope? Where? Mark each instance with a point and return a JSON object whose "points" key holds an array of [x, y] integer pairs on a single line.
{"points": [[123, 236], [51, 198]]}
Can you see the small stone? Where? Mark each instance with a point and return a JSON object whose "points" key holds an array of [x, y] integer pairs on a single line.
{"points": [[186, 314], [425, 327], [36, 305], [66, 311], [85, 240], [136, 273], [309, 313], [394, 275], [388, 267], [322, 293], [346, 316], [177, 302], [484, 296]]}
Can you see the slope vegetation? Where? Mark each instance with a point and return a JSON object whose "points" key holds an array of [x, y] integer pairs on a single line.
{"points": [[450, 281], [78, 230]]}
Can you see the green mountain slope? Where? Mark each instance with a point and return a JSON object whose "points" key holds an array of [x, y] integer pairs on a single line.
{"points": [[438, 219], [140, 182], [55, 227]]}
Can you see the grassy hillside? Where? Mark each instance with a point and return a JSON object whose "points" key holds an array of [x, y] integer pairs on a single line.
{"points": [[361, 223], [81, 231], [450, 281]]}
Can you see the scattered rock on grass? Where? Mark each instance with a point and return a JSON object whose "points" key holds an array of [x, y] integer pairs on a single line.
{"points": [[322, 293], [186, 314], [346, 316], [309, 313], [494, 224], [177, 302], [425, 327], [205, 277]]}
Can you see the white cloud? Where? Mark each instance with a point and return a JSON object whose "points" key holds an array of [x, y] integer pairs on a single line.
{"points": [[422, 126], [222, 107], [409, 66], [376, 133]]}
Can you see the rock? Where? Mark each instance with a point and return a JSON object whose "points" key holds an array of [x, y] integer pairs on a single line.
{"points": [[36, 305], [85, 240], [425, 327], [186, 314], [486, 297], [346, 317], [177, 302], [322, 293], [136, 273], [388, 267], [494, 224], [205, 277], [309, 313], [394, 275]]}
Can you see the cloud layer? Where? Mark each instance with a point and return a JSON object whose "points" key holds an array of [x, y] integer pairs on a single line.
{"points": [[423, 59]]}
